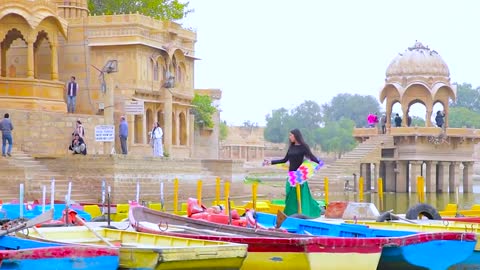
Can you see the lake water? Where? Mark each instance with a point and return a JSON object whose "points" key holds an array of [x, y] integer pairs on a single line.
{"points": [[400, 202]]}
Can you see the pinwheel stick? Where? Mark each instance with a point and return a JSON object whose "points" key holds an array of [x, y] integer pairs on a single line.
{"points": [[299, 198]]}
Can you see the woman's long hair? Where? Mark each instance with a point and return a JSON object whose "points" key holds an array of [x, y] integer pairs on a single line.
{"points": [[298, 137]]}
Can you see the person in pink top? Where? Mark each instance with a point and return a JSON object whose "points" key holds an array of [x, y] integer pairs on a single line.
{"points": [[371, 120]]}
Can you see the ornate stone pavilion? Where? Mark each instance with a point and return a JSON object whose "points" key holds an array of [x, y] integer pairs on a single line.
{"points": [[44, 43], [444, 156]]}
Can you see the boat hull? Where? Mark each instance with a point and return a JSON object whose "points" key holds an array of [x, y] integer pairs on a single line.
{"points": [[40, 255], [403, 247], [153, 252], [265, 251]]}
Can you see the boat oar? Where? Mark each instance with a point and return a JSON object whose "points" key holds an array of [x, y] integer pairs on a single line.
{"points": [[47, 216], [400, 218], [203, 231], [281, 217], [82, 222]]}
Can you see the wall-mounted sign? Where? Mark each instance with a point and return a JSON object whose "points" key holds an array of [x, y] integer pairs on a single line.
{"points": [[105, 133], [134, 107]]}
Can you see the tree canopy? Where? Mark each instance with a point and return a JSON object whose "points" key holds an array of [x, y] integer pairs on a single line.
{"points": [[158, 9], [203, 111], [336, 137], [467, 97], [355, 107]]}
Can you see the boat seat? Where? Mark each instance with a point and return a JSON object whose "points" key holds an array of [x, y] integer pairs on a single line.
{"points": [[93, 210], [451, 207], [155, 206], [476, 207], [122, 208]]}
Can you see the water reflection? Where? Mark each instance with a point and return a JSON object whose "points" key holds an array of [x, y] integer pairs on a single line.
{"points": [[400, 202]]}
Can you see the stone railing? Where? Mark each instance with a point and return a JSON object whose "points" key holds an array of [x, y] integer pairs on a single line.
{"points": [[419, 131], [30, 3]]}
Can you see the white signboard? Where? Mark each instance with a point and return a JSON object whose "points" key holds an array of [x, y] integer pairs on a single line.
{"points": [[134, 107], [105, 133]]}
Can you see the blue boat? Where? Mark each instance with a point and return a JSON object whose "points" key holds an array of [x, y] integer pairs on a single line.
{"points": [[435, 252], [12, 211], [19, 253]]}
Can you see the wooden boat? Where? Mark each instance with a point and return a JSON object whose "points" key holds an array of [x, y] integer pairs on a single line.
{"points": [[18, 253], [278, 250], [451, 210], [462, 219], [12, 211], [409, 250], [148, 251]]}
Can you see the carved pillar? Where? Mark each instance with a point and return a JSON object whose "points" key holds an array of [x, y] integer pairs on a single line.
{"points": [[390, 176], [431, 176], [131, 127], [401, 183], [442, 181], [454, 176], [415, 171], [30, 56], [446, 111], [167, 133], [428, 116], [368, 176], [388, 115], [467, 177], [405, 116], [376, 175], [187, 127], [177, 128], [54, 60], [3, 57]]}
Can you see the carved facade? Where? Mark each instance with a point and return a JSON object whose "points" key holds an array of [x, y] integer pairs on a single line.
{"points": [[44, 43]]}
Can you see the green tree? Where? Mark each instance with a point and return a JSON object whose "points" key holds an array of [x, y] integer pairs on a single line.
{"points": [[307, 117], [223, 130], [467, 97], [203, 111], [355, 107], [417, 121], [278, 126], [460, 117], [158, 9], [336, 137]]}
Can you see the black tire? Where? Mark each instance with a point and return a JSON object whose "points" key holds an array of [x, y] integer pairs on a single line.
{"points": [[423, 209], [386, 216]]}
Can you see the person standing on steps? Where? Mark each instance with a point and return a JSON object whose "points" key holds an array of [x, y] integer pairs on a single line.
{"points": [[297, 151], [123, 130], [72, 89], [156, 139], [6, 126]]}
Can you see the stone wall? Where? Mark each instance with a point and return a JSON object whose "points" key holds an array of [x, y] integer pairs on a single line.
{"points": [[49, 133], [123, 172]]}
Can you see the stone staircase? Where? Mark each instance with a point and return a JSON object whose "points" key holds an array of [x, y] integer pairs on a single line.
{"points": [[343, 168], [22, 168]]}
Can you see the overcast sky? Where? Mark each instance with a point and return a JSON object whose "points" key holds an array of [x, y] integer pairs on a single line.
{"points": [[268, 54]]}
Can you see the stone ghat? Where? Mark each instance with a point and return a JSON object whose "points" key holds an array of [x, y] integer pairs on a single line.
{"points": [[123, 172]]}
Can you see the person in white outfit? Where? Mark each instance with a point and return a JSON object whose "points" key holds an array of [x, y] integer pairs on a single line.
{"points": [[156, 139]]}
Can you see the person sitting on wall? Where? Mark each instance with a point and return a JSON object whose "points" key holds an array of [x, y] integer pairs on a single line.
{"points": [[78, 145], [398, 120]]}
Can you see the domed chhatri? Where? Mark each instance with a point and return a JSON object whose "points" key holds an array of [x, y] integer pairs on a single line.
{"points": [[419, 75], [418, 60]]}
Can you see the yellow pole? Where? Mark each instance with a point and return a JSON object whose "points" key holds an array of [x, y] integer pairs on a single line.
{"points": [[326, 190], [360, 189], [380, 191], [199, 192], [419, 192], [227, 192], [217, 191], [421, 189], [299, 198], [175, 196], [254, 195]]}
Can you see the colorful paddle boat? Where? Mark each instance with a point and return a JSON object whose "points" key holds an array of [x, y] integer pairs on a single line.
{"points": [[17, 253], [407, 249], [148, 251]]}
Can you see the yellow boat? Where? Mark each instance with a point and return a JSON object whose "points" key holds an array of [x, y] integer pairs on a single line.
{"points": [[452, 210], [148, 251], [425, 226]]}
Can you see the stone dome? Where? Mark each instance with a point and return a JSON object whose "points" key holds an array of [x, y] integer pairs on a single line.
{"points": [[418, 60]]}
